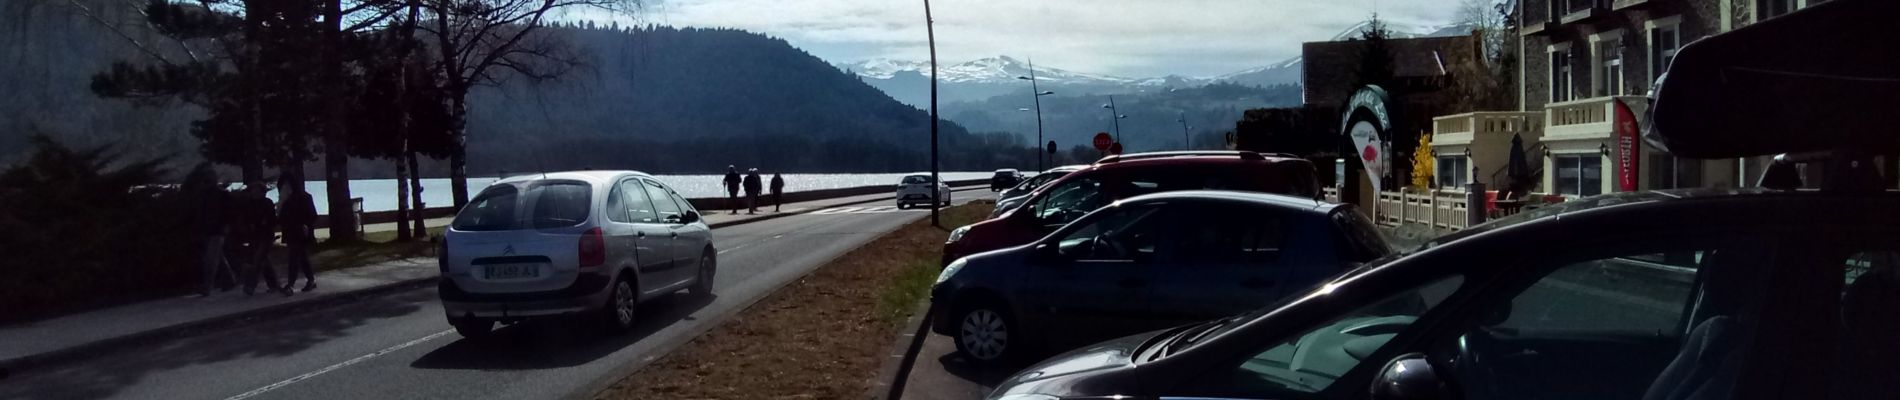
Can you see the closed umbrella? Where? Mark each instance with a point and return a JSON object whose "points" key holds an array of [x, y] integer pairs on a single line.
{"points": [[1518, 170]]}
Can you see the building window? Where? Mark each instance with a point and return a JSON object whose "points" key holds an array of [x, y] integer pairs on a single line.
{"points": [[1610, 68], [1765, 9], [1579, 174], [1668, 172], [1664, 41], [1453, 172], [1560, 76]]}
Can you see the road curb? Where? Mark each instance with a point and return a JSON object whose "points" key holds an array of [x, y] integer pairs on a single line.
{"points": [[816, 208], [887, 371], [8, 367]]}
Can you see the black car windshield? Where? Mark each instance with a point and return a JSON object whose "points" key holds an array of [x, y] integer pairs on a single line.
{"points": [[916, 180]]}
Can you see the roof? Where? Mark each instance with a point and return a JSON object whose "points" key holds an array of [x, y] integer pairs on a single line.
{"points": [[587, 176], [1068, 168], [1193, 159], [1328, 68], [1229, 196]]}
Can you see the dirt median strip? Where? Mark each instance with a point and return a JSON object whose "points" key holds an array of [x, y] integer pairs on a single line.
{"points": [[822, 337]]}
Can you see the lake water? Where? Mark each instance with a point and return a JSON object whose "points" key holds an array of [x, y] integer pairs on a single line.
{"points": [[380, 194]]}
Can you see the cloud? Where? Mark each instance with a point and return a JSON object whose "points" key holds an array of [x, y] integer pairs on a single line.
{"points": [[1138, 38]]}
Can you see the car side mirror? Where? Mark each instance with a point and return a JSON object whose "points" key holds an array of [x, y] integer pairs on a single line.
{"points": [[689, 217], [1044, 253], [1411, 377]]}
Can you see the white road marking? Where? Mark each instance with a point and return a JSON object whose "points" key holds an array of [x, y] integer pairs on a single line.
{"points": [[337, 366], [867, 210]]}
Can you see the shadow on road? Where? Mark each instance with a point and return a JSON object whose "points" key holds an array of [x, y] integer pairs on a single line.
{"points": [[557, 343], [106, 375]]}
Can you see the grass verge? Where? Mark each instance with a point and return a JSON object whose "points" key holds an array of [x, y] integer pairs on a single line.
{"points": [[823, 336]]}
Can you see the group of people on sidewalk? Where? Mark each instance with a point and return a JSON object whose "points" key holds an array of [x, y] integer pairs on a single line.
{"points": [[752, 185], [235, 234]]}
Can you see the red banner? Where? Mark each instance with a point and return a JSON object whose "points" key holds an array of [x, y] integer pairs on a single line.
{"points": [[1629, 150]]}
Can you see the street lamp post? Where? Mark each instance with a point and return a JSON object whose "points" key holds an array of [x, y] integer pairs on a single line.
{"points": [[1115, 115], [936, 197], [1039, 93], [1186, 143]]}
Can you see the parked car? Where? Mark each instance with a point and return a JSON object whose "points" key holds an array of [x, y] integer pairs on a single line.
{"points": [[1643, 295], [1147, 263], [1004, 179], [920, 189], [1013, 197], [1125, 176], [595, 242]]}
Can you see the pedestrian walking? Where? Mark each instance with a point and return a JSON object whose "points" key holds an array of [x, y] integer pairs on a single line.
{"points": [[732, 187], [208, 226], [255, 230], [752, 189], [778, 191], [298, 217]]}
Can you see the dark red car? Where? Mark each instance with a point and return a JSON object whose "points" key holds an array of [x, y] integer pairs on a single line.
{"points": [[1120, 177]]}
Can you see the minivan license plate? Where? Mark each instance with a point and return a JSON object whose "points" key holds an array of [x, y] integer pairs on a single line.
{"points": [[512, 271]]}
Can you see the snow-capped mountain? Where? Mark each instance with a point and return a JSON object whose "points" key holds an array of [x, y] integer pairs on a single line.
{"points": [[999, 69], [979, 79]]}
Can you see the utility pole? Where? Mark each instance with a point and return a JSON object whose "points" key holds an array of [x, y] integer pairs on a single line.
{"points": [[936, 197], [1115, 115]]}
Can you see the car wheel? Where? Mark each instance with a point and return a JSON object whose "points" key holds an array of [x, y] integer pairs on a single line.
{"points": [[986, 333], [622, 301], [703, 284], [472, 328]]}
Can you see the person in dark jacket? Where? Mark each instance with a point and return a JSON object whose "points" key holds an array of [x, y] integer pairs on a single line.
{"points": [[298, 218], [752, 188], [732, 187], [255, 229], [209, 226], [778, 191]]}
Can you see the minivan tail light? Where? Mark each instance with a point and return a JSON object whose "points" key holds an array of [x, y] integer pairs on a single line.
{"points": [[593, 248]]}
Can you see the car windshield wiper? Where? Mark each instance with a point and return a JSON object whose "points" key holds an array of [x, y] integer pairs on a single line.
{"points": [[1195, 334]]}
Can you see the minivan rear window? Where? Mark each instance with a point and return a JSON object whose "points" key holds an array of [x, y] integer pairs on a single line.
{"points": [[916, 179], [547, 204]]}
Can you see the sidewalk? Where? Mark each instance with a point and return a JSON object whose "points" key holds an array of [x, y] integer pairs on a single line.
{"points": [[75, 335]]}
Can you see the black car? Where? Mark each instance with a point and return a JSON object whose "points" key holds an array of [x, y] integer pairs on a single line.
{"points": [[1709, 294], [1005, 179], [1014, 197], [1148, 262]]}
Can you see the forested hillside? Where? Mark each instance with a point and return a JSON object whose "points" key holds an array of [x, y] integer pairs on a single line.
{"points": [[651, 98]]}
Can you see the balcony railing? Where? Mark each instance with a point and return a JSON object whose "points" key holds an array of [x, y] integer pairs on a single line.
{"points": [[1468, 125], [1586, 117]]}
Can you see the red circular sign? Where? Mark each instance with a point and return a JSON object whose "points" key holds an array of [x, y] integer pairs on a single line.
{"points": [[1102, 141]]}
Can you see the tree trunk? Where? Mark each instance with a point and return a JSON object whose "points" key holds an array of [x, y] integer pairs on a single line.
{"points": [[336, 141], [402, 201], [458, 156], [416, 206]]}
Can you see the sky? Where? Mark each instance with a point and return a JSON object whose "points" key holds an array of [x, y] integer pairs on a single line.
{"points": [[1133, 38]]}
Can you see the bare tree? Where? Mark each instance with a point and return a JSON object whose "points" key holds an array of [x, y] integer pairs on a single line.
{"points": [[483, 42], [1485, 84]]}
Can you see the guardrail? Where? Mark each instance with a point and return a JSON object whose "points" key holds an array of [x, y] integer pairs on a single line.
{"points": [[378, 217]]}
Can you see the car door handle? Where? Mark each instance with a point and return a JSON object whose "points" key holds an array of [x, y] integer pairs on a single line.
{"points": [[674, 235], [1256, 283], [640, 234], [1132, 283]]}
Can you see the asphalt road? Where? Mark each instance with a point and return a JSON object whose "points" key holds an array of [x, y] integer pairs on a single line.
{"points": [[398, 346]]}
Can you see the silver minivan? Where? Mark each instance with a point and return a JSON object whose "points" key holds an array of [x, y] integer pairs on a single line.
{"points": [[591, 243]]}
